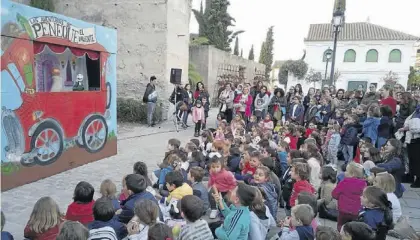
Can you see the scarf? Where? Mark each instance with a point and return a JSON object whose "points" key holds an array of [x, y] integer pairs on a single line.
{"points": [[261, 95]]}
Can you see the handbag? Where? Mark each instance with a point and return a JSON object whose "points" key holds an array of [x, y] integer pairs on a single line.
{"points": [[278, 114], [223, 107]]}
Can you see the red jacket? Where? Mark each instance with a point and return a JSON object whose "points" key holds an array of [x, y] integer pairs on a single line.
{"points": [[348, 193], [391, 102], [357, 156], [298, 187], [50, 234], [308, 132], [80, 212], [223, 180], [293, 141], [248, 169]]}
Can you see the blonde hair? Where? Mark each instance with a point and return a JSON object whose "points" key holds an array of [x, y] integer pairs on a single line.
{"points": [[355, 170], [45, 215], [108, 189], [385, 181]]}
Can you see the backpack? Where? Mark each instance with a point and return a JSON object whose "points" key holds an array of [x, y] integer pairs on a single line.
{"points": [[105, 233]]}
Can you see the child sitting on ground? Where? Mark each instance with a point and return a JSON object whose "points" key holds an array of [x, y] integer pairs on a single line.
{"points": [[146, 214], [310, 199], [103, 212], [136, 189], [195, 176], [348, 193], [159, 231], [72, 230], [249, 167], [221, 180], [302, 216], [108, 190], [261, 218], [236, 223], [300, 173], [386, 182], [327, 206], [376, 211], [262, 181], [176, 186], [168, 162], [81, 207], [4, 234], [327, 233], [357, 230], [195, 228], [38, 227], [176, 221]]}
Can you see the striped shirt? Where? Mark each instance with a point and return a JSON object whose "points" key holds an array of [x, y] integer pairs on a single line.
{"points": [[198, 230]]}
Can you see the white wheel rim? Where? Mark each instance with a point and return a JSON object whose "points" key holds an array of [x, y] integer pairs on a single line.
{"points": [[47, 144], [95, 134]]}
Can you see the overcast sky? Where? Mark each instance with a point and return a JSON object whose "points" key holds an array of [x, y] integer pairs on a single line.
{"points": [[291, 19]]}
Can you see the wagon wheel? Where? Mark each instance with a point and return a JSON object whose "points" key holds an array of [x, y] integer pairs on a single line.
{"points": [[48, 141], [95, 134]]}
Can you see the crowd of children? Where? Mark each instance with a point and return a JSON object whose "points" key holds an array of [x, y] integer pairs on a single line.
{"points": [[311, 163]]}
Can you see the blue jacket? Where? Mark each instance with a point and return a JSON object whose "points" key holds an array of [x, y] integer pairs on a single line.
{"points": [[116, 204], [204, 195], [372, 217], [118, 227], [161, 174], [300, 110], [6, 235], [350, 135], [283, 161], [233, 163], [384, 128], [325, 117], [127, 205], [396, 168], [370, 128], [272, 197], [236, 223]]}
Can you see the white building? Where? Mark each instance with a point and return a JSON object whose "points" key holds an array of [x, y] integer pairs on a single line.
{"points": [[365, 53]]}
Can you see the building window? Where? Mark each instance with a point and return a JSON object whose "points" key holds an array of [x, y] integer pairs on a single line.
{"points": [[395, 56], [372, 56], [350, 56]]}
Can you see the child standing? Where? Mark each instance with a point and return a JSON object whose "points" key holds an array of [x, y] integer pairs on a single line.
{"points": [[371, 124], [195, 176], [262, 180], [206, 104], [267, 124], [300, 173], [348, 193], [333, 144], [81, 209], [38, 227], [376, 211], [349, 137], [236, 223], [198, 116], [261, 218], [196, 228], [282, 152], [220, 180]]}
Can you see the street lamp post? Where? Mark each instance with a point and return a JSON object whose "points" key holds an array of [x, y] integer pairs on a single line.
{"points": [[337, 22], [328, 54]]}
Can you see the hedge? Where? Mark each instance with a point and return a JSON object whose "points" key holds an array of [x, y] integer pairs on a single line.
{"points": [[132, 110]]}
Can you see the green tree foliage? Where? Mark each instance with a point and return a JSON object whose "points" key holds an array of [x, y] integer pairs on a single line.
{"points": [[267, 56], [313, 77], [215, 22], [47, 5], [413, 77], [262, 53], [193, 75], [251, 53], [199, 41], [236, 49], [298, 68], [201, 26]]}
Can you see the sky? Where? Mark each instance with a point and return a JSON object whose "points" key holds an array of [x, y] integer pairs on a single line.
{"points": [[291, 19]]}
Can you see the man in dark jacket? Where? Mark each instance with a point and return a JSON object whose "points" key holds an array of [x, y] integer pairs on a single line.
{"points": [[180, 99], [150, 97]]}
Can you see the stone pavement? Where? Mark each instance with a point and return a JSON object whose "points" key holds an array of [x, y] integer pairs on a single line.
{"points": [[135, 143]]}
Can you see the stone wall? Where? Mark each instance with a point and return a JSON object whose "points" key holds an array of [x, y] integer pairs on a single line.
{"points": [[153, 37], [211, 63]]}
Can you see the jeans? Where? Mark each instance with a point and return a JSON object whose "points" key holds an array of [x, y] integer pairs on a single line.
{"points": [[151, 106], [185, 117], [198, 126], [348, 153]]}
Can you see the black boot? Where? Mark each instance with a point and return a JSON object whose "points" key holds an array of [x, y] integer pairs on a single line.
{"points": [[416, 184], [408, 178]]}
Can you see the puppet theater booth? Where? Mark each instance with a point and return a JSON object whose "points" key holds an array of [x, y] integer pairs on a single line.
{"points": [[57, 68]]}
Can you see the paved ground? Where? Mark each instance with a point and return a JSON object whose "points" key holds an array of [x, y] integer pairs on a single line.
{"points": [[136, 143]]}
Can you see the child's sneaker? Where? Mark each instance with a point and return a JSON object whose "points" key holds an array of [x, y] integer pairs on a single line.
{"points": [[213, 213], [196, 134]]}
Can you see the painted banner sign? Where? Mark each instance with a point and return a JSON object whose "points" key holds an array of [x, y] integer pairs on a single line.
{"points": [[50, 26]]}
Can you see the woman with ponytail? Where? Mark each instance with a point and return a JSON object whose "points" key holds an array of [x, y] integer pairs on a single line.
{"points": [[377, 211]]}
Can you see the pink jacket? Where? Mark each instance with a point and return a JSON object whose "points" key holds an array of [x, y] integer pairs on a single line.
{"points": [[198, 114], [248, 104], [348, 193], [223, 180]]}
